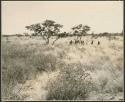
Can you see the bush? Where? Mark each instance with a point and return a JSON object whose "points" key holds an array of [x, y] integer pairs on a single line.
{"points": [[72, 83]]}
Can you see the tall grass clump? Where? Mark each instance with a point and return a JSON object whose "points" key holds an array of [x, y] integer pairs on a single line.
{"points": [[72, 83]]}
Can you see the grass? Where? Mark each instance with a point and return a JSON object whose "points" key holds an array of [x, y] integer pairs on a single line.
{"points": [[82, 69], [20, 63]]}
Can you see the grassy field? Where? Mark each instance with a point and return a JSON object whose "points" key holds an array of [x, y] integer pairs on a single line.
{"points": [[32, 70]]}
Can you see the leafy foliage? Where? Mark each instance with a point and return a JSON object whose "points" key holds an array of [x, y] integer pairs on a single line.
{"points": [[80, 29], [46, 29]]}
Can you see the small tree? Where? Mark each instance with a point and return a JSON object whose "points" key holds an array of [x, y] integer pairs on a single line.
{"points": [[80, 30], [46, 29]]}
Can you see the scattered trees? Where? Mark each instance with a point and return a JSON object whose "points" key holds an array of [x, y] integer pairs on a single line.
{"points": [[50, 28]]}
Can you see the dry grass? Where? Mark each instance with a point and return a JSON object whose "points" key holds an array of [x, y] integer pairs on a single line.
{"points": [[25, 60]]}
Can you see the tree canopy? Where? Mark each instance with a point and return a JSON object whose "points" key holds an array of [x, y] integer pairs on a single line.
{"points": [[46, 29], [80, 29]]}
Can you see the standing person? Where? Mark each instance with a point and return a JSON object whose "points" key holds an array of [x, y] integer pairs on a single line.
{"points": [[98, 42], [92, 42]]}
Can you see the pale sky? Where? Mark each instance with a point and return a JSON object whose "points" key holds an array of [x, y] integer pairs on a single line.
{"points": [[101, 16]]}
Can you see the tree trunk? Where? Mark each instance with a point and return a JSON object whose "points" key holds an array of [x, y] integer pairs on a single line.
{"points": [[55, 40], [77, 37], [47, 42]]}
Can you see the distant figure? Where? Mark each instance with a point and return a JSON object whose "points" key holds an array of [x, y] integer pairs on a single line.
{"points": [[82, 42], [70, 42], [98, 42], [92, 42], [76, 41]]}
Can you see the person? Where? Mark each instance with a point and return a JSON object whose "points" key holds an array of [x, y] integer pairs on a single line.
{"points": [[70, 42], [98, 42], [82, 42], [92, 42]]}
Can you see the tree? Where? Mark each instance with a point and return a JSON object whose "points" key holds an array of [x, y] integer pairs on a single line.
{"points": [[46, 29], [80, 30], [51, 28]]}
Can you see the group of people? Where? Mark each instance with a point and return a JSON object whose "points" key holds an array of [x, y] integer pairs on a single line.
{"points": [[82, 42]]}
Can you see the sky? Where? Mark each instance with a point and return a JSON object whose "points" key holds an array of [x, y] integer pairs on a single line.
{"points": [[101, 16]]}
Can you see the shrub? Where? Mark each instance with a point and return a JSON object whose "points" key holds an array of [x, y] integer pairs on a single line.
{"points": [[73, 82]]}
